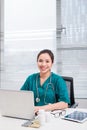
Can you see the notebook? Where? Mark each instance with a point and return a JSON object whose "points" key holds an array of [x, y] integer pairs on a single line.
{"points": [[17, 104], [77, 116]]}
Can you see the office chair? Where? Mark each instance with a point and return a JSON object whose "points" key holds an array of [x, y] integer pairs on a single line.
{"points": [[69, 82]]}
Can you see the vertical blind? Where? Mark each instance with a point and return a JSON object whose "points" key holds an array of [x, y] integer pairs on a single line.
{"points": [[72, 51]]}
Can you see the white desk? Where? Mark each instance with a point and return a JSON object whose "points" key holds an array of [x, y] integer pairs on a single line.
{"points": [[55, 124]]}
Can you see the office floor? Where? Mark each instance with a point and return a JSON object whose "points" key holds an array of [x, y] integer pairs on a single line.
{"points": [[82, 103]]}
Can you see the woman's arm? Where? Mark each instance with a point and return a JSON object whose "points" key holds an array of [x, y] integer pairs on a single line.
{"points": [[50, 107]]}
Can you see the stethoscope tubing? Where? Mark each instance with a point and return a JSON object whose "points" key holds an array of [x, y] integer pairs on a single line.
{"points": [[49, 84]]}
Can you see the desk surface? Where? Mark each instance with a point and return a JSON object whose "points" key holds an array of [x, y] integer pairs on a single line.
{"points": [[55, 123]]}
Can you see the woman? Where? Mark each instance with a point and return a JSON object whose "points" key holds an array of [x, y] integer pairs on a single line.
{"points": [[50, 91]]}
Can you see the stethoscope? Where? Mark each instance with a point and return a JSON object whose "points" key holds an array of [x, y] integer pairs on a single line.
{"points": [[50, 84]]}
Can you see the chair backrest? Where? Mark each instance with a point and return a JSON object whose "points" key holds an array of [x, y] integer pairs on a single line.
{"points": [[70, 85]]}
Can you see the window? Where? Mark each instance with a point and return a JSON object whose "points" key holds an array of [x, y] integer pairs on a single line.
{"points": [[72, 44]]}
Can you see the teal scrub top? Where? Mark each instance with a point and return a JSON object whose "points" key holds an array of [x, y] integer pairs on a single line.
{"points": [[53, 89]]}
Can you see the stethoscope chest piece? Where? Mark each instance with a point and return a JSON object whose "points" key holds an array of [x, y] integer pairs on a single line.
{"points": [[37, 99]]}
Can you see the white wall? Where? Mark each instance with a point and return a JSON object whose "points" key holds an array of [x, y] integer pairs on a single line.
{"points": [[30, 22], [26, 15]]}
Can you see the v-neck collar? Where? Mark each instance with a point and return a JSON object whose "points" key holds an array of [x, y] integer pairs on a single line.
{"points": [[45, 82]]}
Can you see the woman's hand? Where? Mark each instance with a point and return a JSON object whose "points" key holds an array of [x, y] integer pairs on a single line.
{"points": [[37, 108]]}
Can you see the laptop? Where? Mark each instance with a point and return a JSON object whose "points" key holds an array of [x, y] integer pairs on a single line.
{"points": [[77, 116], [17, 104]]}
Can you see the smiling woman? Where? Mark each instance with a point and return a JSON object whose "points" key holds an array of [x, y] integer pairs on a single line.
{"points": [[50, 91]]}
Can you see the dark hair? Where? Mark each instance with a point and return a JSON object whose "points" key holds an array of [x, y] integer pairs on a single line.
{"points": [[48, 52]]}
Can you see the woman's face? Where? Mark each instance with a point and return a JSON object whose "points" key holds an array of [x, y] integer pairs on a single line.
{"points": [[44, 63]]}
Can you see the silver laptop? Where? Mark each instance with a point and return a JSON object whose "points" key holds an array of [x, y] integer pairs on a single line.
{"points": [[17, 104]]}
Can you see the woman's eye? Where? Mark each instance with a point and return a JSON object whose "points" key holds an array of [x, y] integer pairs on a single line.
{"points": [[40, 61], [47, 61]]}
